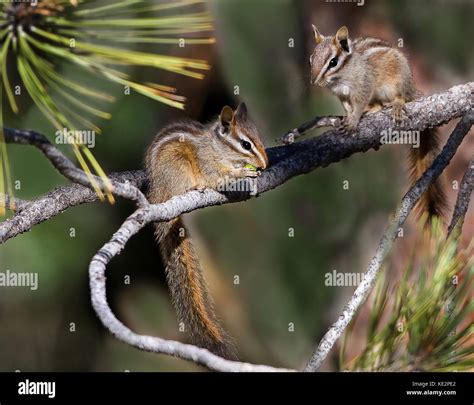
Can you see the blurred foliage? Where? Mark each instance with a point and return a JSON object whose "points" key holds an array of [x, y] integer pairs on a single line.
{"points": [[423, 323], [281, 277], [435, 30]]}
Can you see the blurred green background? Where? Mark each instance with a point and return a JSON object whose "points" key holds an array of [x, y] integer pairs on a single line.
{"points": [[281, 277]]}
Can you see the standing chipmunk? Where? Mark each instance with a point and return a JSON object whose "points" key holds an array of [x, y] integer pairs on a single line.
{"points": [[186, 156], [367, 74]]}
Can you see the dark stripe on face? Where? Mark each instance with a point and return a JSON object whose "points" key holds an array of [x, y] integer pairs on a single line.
{"points": [[328, 68]]}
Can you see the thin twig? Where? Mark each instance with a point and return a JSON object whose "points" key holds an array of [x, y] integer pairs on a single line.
{"points": [[316, 122], [464, 196], [13, 204], [385, 244], [67, 168]]}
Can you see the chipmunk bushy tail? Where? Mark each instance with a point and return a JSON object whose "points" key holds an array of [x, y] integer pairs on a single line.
{"points": [[433, 201], [188, 289]]}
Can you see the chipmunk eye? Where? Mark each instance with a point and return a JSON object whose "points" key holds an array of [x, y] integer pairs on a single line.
{"points": [[246, 145], [333, 62]]}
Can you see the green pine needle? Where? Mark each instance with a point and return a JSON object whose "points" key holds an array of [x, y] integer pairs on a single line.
{"points": [[93, 35], [424, 323]]}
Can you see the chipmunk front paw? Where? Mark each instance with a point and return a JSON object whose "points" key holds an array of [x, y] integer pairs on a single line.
{"points": [[347, 126], [399, 111], [250, 172]]}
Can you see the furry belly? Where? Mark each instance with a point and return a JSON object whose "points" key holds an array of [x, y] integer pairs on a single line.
{"points": [[383, 95]]}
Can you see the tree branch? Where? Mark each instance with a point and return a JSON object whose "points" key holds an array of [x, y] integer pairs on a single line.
{"points": [[130, 227], [57, 201], [285, 161], [67, 168], [385, 244], [316, 122], [18, 204], [464, 196]]}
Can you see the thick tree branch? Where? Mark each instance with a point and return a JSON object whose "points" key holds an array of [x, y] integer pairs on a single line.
{"points": [[57, 201], [285, 161], [464, 196], [385, 244]]}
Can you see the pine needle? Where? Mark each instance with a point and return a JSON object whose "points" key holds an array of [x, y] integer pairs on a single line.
{"points": [[34, 36]]}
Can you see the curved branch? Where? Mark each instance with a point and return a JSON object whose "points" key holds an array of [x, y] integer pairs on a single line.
{"points": [[130, 227], [66, 167], [385, 244]]}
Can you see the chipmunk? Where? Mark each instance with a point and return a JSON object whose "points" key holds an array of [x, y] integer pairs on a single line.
{"points": [[367, 74], [186, 156]]}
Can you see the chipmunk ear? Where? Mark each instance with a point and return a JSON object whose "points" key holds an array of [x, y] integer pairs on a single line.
{"points": [[317, 36], [341, 39], [225, 119], [241, 111]]}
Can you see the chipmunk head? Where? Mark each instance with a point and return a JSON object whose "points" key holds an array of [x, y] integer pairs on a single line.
{"points": [[329, 56], [240, 138]]}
